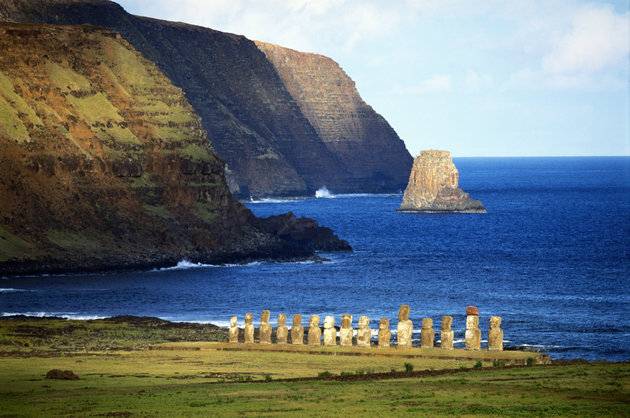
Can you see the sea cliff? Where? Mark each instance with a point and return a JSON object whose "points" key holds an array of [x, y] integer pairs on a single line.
{"points": [[271, 127], [434, 187], [105, 165]]}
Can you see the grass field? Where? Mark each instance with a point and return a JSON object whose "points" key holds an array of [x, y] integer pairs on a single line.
{"points": [[192, 379]]}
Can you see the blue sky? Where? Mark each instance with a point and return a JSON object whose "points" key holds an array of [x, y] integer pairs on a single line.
{"points": [[478, 78]]}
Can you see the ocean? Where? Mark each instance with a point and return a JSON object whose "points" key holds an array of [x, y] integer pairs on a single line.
{"points": [[551, 257]]}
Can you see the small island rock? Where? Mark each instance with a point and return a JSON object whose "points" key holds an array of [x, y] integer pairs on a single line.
{"points": [[433, 187]]}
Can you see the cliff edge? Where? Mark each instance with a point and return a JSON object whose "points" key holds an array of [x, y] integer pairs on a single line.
{"points": [[105, 165], [434, 187], [274, 143], [375, 157]]}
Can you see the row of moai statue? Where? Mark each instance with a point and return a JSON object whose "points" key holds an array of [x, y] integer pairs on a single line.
{"points": [[364, 333]]}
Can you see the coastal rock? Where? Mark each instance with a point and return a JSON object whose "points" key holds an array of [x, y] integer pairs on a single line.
{"points": [[433, 187], [405, 327], [427, 335], [330, 333], [297, 330], [314, 332], [364, 333], [233, 332], [447, 335], [384, 333], [264, 331], [303, 233], [282, 331], [495, 334], [346, 331]]}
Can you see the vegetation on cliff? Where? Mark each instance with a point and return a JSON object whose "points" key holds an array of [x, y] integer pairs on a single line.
{"points": [[105, 164], [272, 143]]}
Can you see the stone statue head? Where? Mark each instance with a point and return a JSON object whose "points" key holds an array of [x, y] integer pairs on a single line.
{"points": [[249, 317], [264, 316], [495, 321], [427, 323], [472, 321], [282, 320], [329, 322], [364, 321], [233, 321], [384, 324], [313, 321], [403, 313], [297, 320], [346, 321], [447, 321]]}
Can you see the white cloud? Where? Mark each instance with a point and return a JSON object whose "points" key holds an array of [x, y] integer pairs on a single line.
{"points": [[477, 82], [598, 39]]}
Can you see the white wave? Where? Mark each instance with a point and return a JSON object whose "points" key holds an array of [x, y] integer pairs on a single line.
{"points": [[64, 315], [323, 192], [12, 290], [272, 200], [186, 265]]}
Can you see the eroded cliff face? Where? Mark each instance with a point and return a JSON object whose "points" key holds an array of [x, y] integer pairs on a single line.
{"points": [[253, 116], [372, 152], [104, 164], [433, 186]]}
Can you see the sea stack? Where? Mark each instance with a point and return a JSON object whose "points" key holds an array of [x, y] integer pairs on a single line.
{"points": [[433, 187]]}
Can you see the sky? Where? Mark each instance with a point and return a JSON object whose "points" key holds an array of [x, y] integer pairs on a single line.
{"points": [[477, 78]]}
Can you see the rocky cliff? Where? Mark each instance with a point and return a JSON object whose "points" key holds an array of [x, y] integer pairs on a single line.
{"points": [[104, 164], [372, 152], [252, 119], [433, 187]]}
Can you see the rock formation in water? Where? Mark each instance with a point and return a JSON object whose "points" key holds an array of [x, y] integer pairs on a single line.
{"points": [[280, 133], [371, 151], [105, 165], [433, 187]]}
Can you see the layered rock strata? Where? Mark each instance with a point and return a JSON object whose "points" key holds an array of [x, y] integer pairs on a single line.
{"points": [[105, 165], [434, 187], [271, 126], [371, 151]]}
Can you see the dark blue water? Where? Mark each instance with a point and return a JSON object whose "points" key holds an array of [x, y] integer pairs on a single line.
{"points": [[551, 257]]}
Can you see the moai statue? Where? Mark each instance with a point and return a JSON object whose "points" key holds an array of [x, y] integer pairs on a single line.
{"points": [[473, 333], [264, 332], [405, 327], [495, 334], [249, 328], [233, 333], [384, 334], [364, 333], [330, 332], [282, 331], [314, 333], [297, 330], [427, 335], [447, 335], [346, 331]]}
